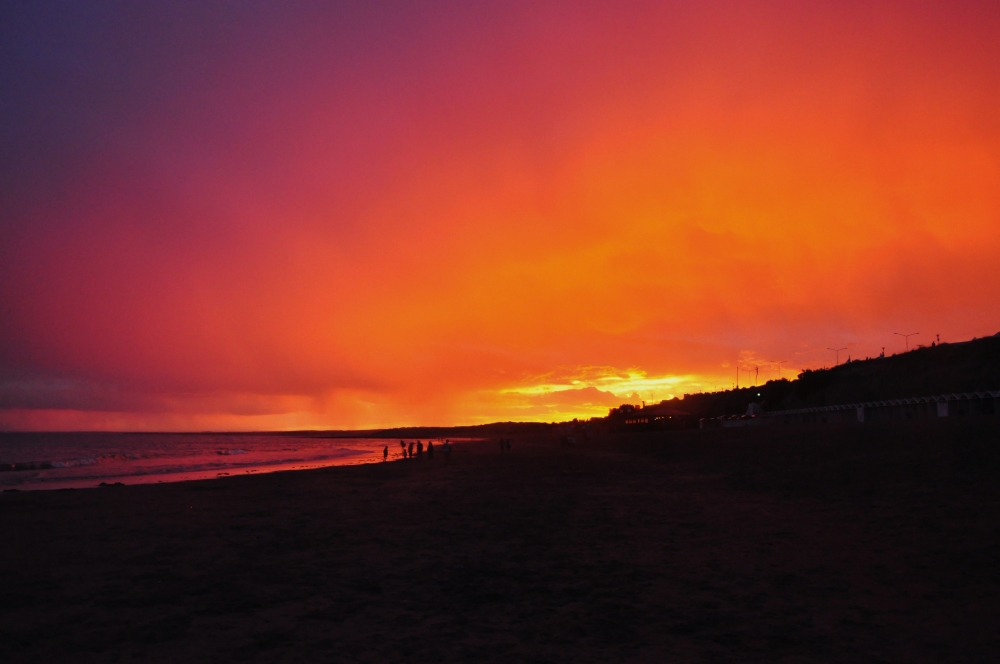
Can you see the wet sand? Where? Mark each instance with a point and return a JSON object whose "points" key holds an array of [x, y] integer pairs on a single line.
{"points": [[863, 544]]}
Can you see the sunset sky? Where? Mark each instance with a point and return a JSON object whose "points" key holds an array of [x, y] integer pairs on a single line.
{"points": [[282, 215]]}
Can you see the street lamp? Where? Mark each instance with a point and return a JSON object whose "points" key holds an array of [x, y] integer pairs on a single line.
{"points": [[907, 338]]}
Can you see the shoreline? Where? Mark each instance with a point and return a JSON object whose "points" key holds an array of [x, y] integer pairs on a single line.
{"points": [[344, 457], [59, 484]]}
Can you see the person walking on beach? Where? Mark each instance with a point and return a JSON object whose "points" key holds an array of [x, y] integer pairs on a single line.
{"points": [[420, 449], [411, 449], [385, 453], [447, 450], [402, 446], [430, 450]]}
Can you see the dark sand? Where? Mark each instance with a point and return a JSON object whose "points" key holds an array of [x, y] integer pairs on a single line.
{"points": [[857, 545]]}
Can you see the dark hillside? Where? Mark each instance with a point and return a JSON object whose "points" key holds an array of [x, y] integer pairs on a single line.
{"points": [[960, 367]]}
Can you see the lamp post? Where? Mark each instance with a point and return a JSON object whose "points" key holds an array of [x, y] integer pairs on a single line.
{"points": [[778, 363], [837, 351], [907, 338]]}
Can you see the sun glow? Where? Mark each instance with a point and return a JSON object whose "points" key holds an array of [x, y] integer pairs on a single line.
{"points": [[623, 383]]}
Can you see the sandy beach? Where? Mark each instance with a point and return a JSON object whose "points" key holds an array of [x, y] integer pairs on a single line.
{"points": [[860, 544]]}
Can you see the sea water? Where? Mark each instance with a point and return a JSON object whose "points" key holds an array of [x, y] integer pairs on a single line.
{"points": [[78, 460]]}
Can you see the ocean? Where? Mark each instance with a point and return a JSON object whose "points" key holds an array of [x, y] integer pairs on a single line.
{"points": [[78, 460]]}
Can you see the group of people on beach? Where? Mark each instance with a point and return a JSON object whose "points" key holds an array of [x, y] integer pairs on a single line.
{"points": [[416, 448]]}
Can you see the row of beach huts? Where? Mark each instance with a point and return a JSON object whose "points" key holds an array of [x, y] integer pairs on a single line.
{"points": [[964, 404]]}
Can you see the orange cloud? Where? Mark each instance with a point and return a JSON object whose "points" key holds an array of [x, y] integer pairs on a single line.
{"points": [[533, 214]]}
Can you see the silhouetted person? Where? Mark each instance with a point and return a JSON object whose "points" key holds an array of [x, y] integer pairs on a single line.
{"points": [[447, 450], [385, 453], [420, 448], [411, 449], [430, 450], [508, 444], [402, 447]]}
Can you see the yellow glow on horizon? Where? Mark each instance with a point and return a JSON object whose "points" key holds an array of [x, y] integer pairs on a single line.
{"points": [[607, 379]]}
